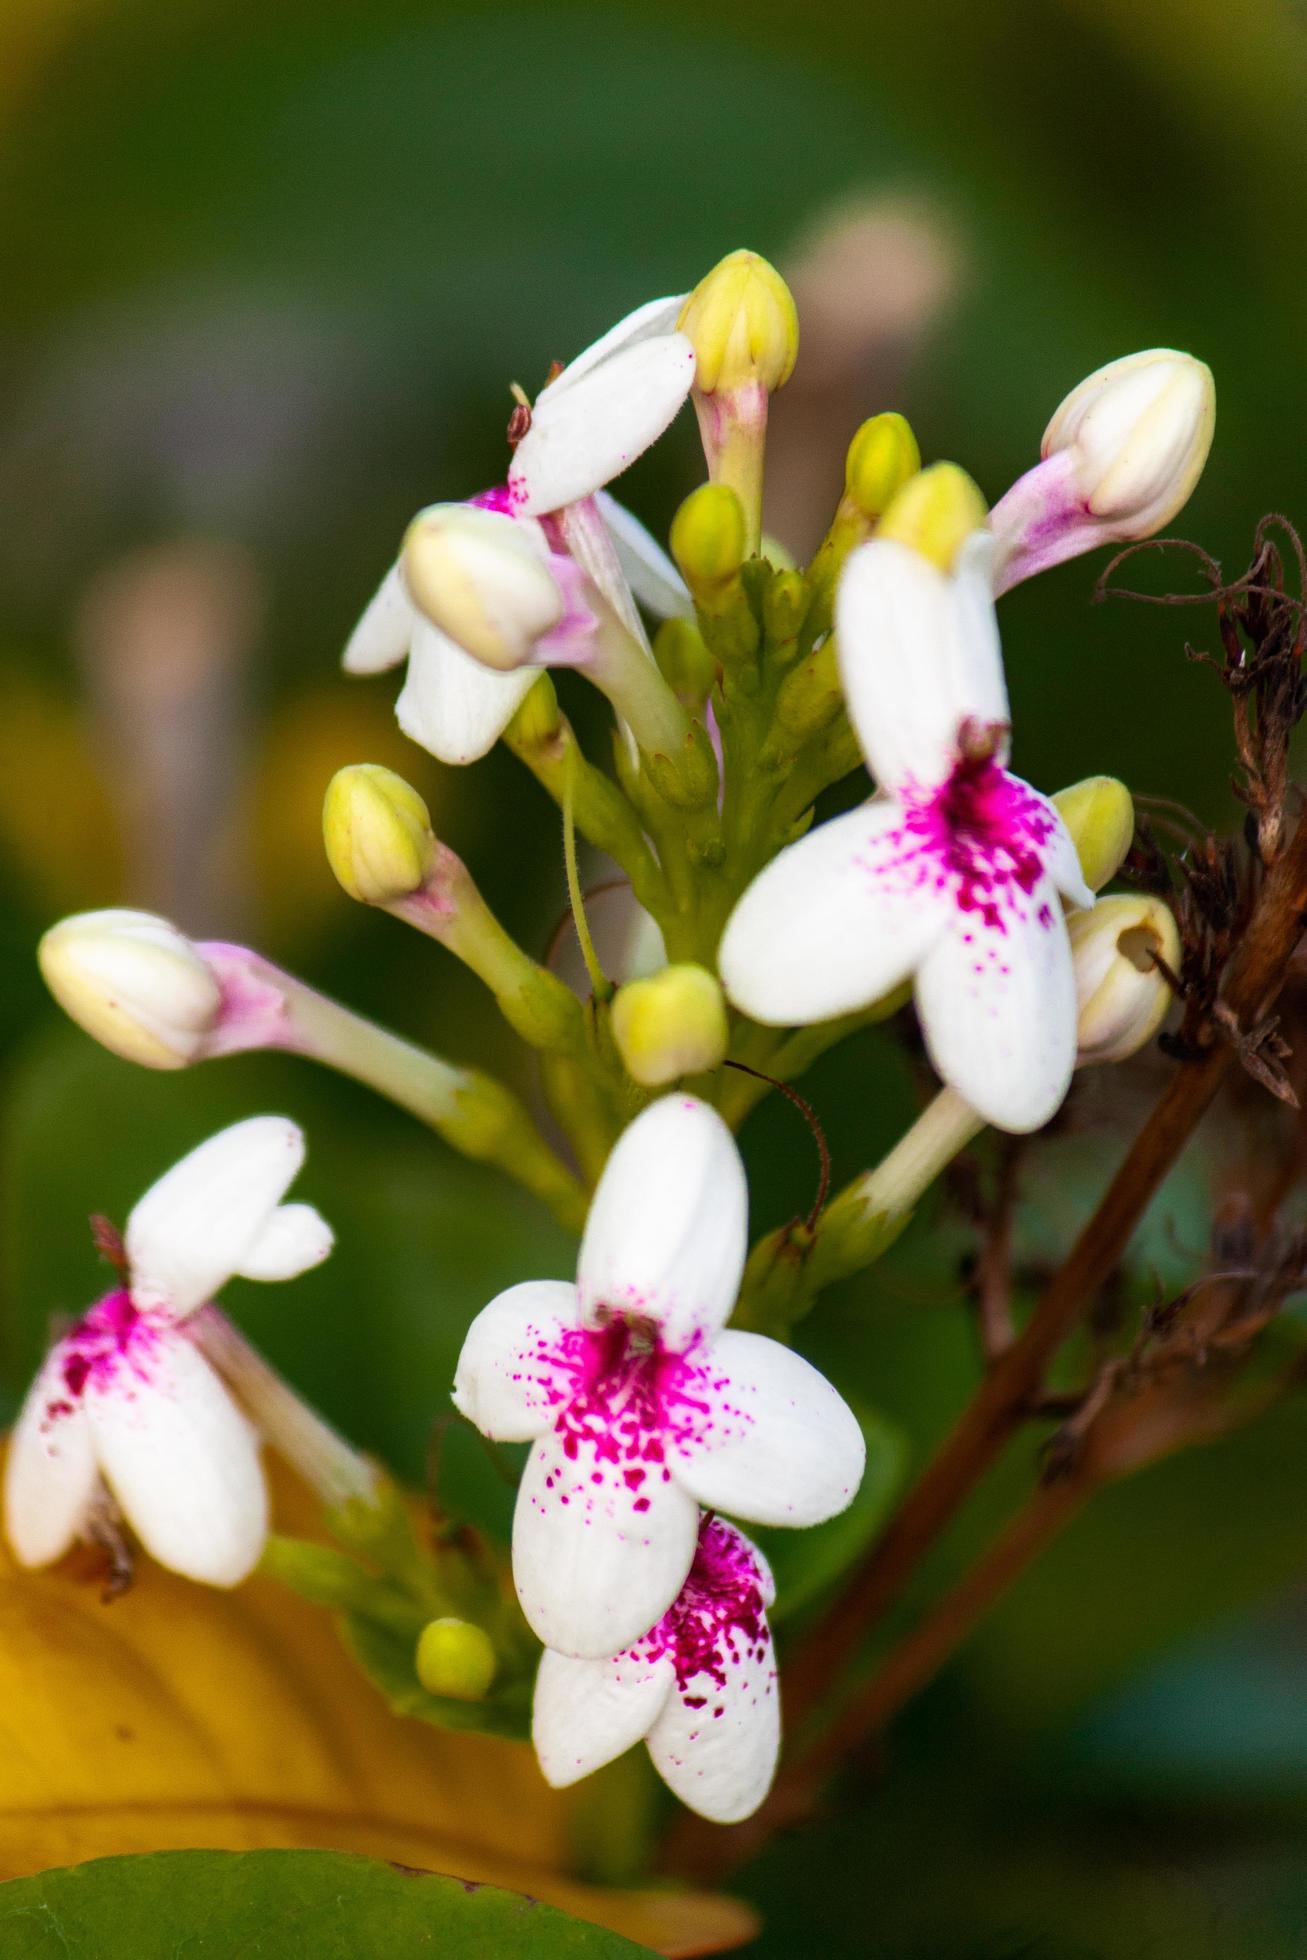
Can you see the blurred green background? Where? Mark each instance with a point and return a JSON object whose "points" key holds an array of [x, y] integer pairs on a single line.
{"points": [[267, 273]]}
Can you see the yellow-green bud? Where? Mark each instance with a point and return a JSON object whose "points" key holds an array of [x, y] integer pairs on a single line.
{"points": [[709, 535], [378, 834], [741, 321], [538, 720], [481, 578], [135, 984], [670, 1025], [1121, 992], [455, 1658], [882, 457], [1100, 815], [684, 661], [935, 512]]}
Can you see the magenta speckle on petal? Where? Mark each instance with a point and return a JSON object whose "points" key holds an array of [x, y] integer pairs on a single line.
{"points": [[981, 837], [113, 1344], [718, 1620]]}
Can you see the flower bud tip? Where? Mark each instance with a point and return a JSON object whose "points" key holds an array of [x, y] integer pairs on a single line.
{"points": [[742, 323], [377, 834], [455, 1658], [134, 983], [935, 512], [1100, 815], [670, 1025]]}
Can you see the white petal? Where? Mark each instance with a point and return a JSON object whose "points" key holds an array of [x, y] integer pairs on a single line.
{"points": [[51, 1475], [997, 1005], [450, 704], [508, 1380], [650, 321], [835, 922], [295, 1239], [192, 1230], [668, 1226], [381, 638], [715, 1744], [650, 573], [587, 1713], [593, 1572], [583, 437], [783, 1448], [182, 1462], [919, 655]]}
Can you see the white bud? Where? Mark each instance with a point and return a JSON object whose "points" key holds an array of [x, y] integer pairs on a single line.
{"points": [[133, 982], [482, 577], [1139, 431], [1121, 991]]}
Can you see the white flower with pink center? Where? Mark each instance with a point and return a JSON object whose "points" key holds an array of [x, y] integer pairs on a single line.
{"points": [[640, 1404], [955, 873], [699, 1690], [126, 1400], [587, 424]]}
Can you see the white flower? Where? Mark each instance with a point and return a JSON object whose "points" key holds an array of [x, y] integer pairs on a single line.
{"points": [[699, 1690], [639, 1403], [127, 1400], [135, 983], [464, 687], [952, 874], [606, 408]]}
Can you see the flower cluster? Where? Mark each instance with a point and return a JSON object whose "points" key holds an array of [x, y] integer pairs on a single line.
{"points": [[654, 1404]]}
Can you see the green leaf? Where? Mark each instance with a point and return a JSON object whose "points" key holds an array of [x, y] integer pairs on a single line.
{"points": [[805, 1563], [298, 1905]]}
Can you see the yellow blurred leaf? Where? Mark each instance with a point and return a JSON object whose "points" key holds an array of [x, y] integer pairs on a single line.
{"points": [[180, 1717]]}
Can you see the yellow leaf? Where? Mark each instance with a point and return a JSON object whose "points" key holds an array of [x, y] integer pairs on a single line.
{"points": [[181, 1717]]}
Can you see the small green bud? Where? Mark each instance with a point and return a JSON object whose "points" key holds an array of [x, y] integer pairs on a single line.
{"points": [[1100, 815], [743, 325], [684, 661], [689, 779], [670, 1025], [455, 1658], [538, 719], [784, 603], [935, 512], [811, 696], [378, 834], [882, 457], [709, 535], [1121, 992]]}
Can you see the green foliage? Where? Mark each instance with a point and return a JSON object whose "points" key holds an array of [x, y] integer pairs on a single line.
{"points": [[298, 1905]]}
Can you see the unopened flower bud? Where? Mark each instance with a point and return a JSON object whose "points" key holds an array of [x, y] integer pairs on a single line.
{"points": [[1100, 815], [670, 1025], [378, 834], [1120, 457], [134, 983], [935, 512], [481, 577], [455, 1658], [709, 538], [1139, 430], [743, 326], [1121, 990], [882, 457]]}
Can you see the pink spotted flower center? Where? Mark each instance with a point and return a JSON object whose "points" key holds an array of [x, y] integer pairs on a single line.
{"points": [[622, 1402], [718, 1620], [112, 1344], [981, 837]]}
